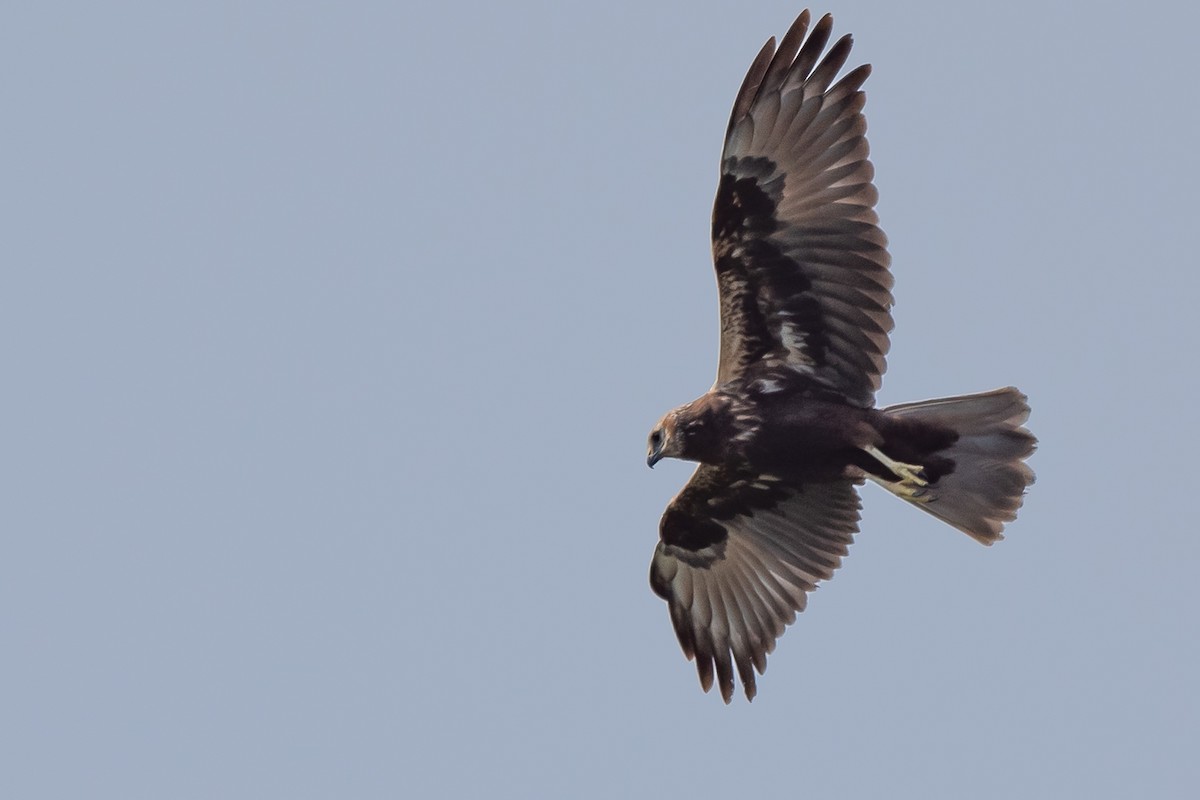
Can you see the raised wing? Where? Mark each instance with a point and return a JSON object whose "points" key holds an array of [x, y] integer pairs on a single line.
{"points": [[738, 556], [802, 266]]}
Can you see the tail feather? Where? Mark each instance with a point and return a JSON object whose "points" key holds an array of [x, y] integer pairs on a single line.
{"points": [[988, 482]]}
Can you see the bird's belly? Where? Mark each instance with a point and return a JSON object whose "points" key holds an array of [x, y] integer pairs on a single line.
{"points": [[814, 441]]}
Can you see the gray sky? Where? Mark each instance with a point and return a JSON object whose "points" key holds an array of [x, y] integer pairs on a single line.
{"points": [[332, 334]]}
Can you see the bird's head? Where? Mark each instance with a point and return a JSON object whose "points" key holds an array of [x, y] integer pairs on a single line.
{"points": [[663, 442]]}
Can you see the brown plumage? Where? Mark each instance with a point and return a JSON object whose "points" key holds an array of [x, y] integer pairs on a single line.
{"points": [[789, 429]]}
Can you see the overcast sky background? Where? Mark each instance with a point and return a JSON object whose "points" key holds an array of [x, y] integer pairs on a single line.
{"points": [[331, 335]]}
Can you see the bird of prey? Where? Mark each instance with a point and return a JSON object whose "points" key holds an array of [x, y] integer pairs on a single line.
{"points": [[789, 429]]}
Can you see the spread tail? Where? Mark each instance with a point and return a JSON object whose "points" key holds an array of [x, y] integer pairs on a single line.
{"points": [[976, 482]]}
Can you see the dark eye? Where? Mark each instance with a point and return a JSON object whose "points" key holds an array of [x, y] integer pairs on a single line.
{"points": [[655, 439]]}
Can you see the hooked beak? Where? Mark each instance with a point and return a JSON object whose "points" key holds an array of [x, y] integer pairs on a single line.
{"points": [[654, 457]]}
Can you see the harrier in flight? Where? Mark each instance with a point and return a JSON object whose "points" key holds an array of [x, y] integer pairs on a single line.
{"points": [[789, 429]]}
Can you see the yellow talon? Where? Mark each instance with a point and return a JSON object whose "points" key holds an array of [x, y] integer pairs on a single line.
{"points": [[909, 474], [905, 490]]}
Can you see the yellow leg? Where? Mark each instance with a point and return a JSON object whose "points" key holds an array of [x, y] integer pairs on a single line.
{"points": [[909, 474]]}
